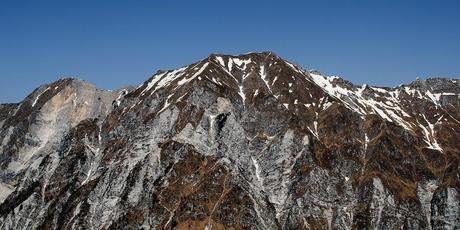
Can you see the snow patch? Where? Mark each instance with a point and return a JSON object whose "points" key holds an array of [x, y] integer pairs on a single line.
{"points": [[185, 80], [221, 61], [257, 168], [38, 97], [274, 80], [241, 63], [263, 76], [241, 93], [430, 135]]}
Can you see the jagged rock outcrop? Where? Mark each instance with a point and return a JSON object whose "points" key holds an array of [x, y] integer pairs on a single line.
{"points": [[233, 142]]}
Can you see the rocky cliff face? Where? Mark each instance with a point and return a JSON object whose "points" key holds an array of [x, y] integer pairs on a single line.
{"points": [[233, 142]]}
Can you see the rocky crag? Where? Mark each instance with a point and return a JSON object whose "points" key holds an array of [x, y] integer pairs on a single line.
{"points": [[233, 142]]}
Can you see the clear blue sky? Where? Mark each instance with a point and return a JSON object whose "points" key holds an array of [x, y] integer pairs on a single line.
{"points": [[116, 43]]}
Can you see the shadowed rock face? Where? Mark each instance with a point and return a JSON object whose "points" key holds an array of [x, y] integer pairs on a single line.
{"points": [[233, 142]]}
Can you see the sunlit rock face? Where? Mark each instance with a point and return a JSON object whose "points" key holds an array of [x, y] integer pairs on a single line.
{"points": [[233, 142]]}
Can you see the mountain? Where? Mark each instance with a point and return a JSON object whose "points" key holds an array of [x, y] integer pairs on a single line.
{"points": [[233, 142]]}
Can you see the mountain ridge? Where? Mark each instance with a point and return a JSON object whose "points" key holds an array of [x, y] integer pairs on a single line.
{"points": [[245, 142], [249, 54]]}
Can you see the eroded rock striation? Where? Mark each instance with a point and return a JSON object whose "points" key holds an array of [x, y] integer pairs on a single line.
{"points": [[233, 142]]}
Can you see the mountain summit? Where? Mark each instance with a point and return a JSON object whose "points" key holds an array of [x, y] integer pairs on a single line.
{"points": [[233, 142]]}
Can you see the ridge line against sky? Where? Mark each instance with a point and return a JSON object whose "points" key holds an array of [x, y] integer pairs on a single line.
{"points": [[116, 43]]}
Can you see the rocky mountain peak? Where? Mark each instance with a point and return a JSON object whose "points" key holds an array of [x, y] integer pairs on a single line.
{"points": [[245, 142], [30, 128]]}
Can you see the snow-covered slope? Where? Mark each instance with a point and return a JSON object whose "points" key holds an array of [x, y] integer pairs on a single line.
{"points": [[393, 104]]}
